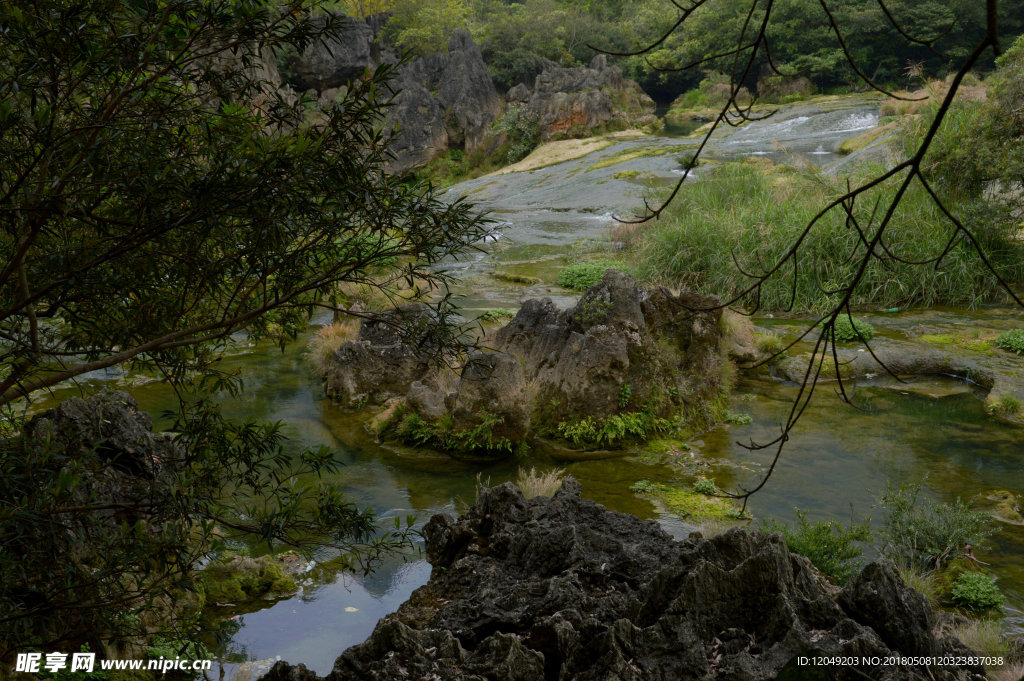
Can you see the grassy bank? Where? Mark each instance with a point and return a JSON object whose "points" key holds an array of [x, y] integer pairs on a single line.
{"points": [[751, 213]]}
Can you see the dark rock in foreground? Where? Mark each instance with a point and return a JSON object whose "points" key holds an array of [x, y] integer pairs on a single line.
{"points": [[560, 589]]}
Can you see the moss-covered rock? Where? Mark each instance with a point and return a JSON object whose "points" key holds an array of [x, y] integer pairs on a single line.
{"points": [[236, 579], [690, 501], [1006, 506]]}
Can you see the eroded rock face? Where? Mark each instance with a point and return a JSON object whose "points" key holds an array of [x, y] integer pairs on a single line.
{"points": [[578, 100], [493, 383], [110, 424], [444, 100], [560, 588], [386, 358], [330, 64], [447, 101], [620, 346]]}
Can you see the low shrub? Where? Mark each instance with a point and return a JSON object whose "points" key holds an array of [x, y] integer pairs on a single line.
{"points": [[410, 428], [830, 546], [928, 538], [496, 315], [582, 275], [845, 332], [1012, 341], [976, 591], [615, 429]]}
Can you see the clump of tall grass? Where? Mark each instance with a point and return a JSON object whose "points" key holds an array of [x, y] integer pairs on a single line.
{"points": [[985, 637], [534, 483], [921, 582], [750, 215], [328, 339]]}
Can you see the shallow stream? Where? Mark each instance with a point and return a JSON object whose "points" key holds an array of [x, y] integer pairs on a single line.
{"points": [[837, 463]]}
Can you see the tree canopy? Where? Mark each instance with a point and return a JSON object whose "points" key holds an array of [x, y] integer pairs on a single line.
{"points": [[159, 190], [161, 193]]}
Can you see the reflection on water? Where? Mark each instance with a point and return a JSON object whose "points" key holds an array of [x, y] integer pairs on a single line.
{"points": [[314, 627]]}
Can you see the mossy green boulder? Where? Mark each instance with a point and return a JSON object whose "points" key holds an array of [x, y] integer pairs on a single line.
{"points": [[237, 579]]}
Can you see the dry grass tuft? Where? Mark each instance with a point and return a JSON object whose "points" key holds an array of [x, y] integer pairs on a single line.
{"points": [[985, 637], [922, 583], [1013, 671], [539, 484], [327, 340]]}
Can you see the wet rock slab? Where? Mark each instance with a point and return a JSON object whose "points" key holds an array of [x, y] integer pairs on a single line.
{"points": [[562, 589]]}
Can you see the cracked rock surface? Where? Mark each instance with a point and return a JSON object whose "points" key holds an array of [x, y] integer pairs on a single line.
{"points": [[562, 589]]}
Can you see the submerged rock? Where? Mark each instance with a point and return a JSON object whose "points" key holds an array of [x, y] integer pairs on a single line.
{"points": [[1000, 375], [560, 588], [238, 579]]}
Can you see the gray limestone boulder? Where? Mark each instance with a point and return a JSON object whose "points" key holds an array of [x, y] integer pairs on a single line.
{"points": [[390, 353], [621, 348], [580, 100]]}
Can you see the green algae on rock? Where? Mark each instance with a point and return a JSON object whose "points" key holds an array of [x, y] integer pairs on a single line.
{"points": [[237, 579]]}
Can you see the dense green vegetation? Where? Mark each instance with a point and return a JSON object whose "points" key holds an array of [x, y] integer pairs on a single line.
{"points": [[1012, 340], [976, 591], [582, 275], [751, 214], [517, 35], [832, 548], [849, 329]]}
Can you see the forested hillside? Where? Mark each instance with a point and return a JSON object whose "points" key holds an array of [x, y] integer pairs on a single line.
{"points": [[516, 35]]}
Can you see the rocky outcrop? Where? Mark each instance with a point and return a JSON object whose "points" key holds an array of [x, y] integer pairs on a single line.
{"points": [[621, 348], [389, 354], [446, 101], [111, 425], [579, 100], [622, 365], [562, 589], [443, 101]]}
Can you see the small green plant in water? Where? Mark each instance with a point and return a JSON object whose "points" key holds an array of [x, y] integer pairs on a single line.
{"points": [[830, 546], [976, 591], [845, 332], [1004, 405], [768, 343], [736, 419], [496, 315], [1012, 341], [705, 486], [617, 428], [582, 275]]}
